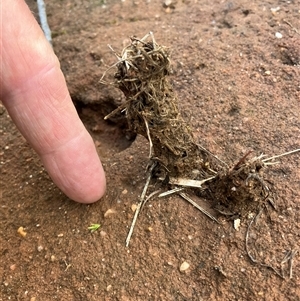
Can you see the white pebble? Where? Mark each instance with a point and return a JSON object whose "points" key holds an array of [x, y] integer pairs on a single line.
{"points": [[236, 224], [133, 207], [278, 35], [184, 266], [275, 9]]}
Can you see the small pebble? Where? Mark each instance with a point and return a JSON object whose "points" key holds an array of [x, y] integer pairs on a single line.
{"points": [[278, 35], [184, 266], [133, 207], [260, 293], [109, 212], [13, 267], [275, 9], [22, 232], [124, 191], [40, 248], [168, 2], [109, 287], [102, 233], [236, 224]]}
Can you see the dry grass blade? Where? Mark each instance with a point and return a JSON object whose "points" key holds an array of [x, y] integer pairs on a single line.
{"points": [[140, 205], [172, 191], [251, 257], [187, 198], [281, 155], [189, 182]]}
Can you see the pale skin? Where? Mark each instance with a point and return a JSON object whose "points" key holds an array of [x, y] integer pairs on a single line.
{"points": [[35, 94]]}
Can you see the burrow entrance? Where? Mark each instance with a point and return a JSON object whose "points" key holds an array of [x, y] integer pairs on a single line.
{"points": [[110, 136]]}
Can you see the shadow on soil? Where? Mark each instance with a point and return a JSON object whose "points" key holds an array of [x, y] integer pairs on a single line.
{"points": [[110, 136]]}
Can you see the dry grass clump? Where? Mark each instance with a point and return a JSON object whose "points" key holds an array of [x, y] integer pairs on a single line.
{"points": [[151, 108], [188, 169]]}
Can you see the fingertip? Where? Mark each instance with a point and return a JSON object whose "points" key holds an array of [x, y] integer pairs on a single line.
{"points": [[77, 170], [93, 194]]}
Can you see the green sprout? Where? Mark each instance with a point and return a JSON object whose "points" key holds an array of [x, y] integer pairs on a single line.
{"points": [[94, 227]]}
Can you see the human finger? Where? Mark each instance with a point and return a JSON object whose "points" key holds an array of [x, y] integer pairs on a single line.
{"points": [[34, 91]]}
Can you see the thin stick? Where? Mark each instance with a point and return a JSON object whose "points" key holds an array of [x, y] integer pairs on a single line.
{"points": [[271, 163], [150, 196], [288, 23], [122, 106], [206, 150], [241, 161], [281, 155], [138, 209], [291, 262], [251, 257], [183, 195], [119, 108], [175, 190], [149, 138]]}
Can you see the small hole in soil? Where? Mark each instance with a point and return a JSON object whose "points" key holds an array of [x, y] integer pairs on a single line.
{"points": [[111, 135]]}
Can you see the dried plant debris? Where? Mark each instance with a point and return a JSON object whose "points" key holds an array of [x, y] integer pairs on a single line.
{"points": [[175, 159], [152, 109], [286, 263]]}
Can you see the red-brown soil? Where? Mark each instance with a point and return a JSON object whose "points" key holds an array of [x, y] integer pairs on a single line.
{"points": [[239, 89]]}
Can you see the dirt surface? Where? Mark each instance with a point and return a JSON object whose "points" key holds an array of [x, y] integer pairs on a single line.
{"points": [[238, 85]]}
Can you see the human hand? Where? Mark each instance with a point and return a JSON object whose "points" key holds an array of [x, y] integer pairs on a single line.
{"points": [[34, 92]]}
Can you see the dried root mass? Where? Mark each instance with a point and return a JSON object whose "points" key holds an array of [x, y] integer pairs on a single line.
{"points": [[151, 108]]}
